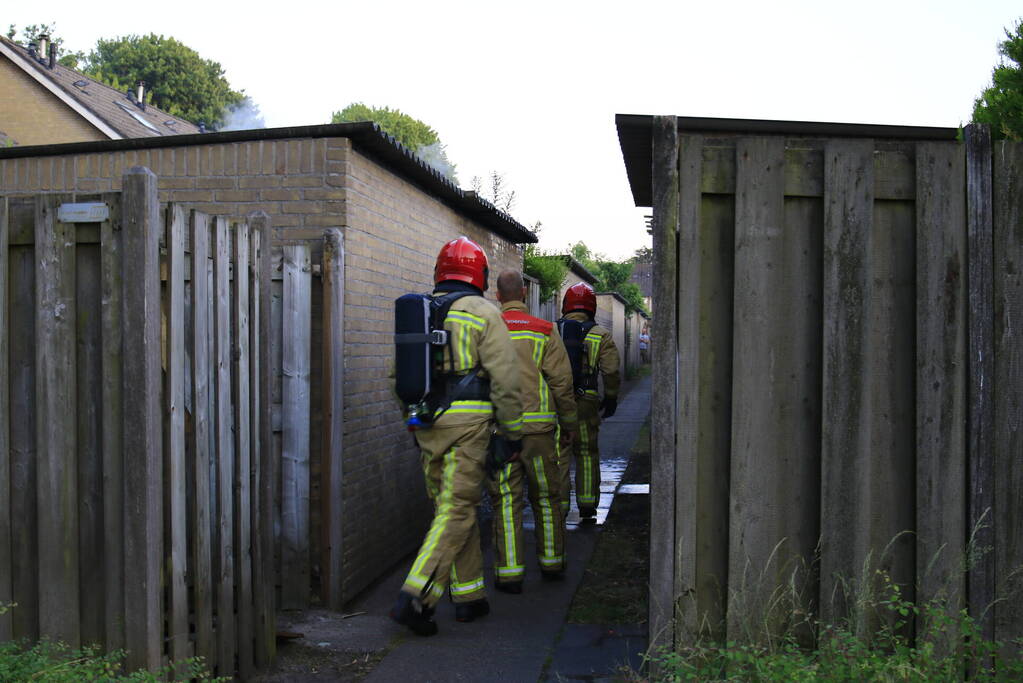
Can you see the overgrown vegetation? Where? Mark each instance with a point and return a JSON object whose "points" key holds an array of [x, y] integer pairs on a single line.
{"points": [[1001, 104], [613, 276], [49, 662], [549, 269], [885, 637]]}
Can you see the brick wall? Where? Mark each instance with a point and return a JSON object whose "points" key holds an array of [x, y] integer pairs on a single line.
{"points": [[31, 115], [393, 231]]}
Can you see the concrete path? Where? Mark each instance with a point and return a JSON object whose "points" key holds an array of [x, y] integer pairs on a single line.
{"points": [[519, 636]]}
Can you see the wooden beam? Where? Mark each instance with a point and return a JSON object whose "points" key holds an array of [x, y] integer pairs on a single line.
{"points": [[332, 515], [242, 400], [6, 559]]}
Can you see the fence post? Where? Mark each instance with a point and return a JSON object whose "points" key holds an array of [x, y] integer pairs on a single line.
{"points": [[6, 583], [143, 464], [980, 586], [333, 413], [665, 366]]}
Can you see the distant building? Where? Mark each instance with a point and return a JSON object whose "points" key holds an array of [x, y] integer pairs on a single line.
{"points": [[643, 277]]}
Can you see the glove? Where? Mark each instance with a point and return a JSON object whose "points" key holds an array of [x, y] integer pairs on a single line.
{"points": [[501, 451], [608, 406]]}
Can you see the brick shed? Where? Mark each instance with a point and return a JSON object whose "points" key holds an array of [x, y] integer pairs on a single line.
{"points": [[394, 212]]}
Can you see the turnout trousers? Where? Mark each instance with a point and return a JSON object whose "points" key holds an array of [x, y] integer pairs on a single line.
{"points": [[538, 465], [453, 461], [587, 459]]}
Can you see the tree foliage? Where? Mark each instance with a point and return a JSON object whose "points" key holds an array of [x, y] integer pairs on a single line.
{"points": [[612, 276], [497, 193], [549, 269], [409, 131], [1001, 104], [178, 80]]}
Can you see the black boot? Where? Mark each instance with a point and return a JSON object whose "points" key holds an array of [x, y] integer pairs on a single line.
{"points": [[468, 611], [409, 611], [513, 587], [588, 515]]}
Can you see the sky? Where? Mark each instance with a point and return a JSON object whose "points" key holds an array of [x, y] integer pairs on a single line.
{"points": [[530, 89]]}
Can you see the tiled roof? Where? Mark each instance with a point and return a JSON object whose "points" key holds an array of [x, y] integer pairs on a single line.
{"points": [[110, 106]]}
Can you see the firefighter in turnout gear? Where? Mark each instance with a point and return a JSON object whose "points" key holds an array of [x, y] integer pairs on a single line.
{"points": [[593, 353], [455, 449], [548, 401]]}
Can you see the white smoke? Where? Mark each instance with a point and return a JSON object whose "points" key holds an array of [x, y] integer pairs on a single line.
{"points": [[243, 116], [436, 156]]}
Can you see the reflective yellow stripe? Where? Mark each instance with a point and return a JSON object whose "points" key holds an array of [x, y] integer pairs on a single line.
{"points": [[517, 570], [526, 334], [440, 522], [545, 510], [469, 407], [539, 417], [512, 425], [508, 518], [466, 318], [586, 496], [468, 587]]}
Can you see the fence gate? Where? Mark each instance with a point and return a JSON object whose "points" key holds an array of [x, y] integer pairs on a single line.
{"points": [[135, 484]]}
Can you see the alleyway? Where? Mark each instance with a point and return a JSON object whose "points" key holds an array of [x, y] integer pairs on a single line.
{"points": [[511, 644]]}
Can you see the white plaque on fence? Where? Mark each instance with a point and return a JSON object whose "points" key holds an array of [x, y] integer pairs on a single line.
{"points": [[92, 212]]}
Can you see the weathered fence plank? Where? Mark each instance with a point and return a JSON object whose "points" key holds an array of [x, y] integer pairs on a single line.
{"points": [[1008, 390], [263, 558], [226, 640], [199, 447], [941, 373], [774, 394], [57, 501], [848, 219], [113, 426], [980, 459], [295, 417], [242, 403], [664, 411], [174, 435], [89, 402], [333, 417], [143, 468], [6, 559], [687, 472]]}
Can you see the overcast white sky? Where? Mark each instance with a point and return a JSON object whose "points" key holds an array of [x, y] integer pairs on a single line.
{"points": [[530, 89]]}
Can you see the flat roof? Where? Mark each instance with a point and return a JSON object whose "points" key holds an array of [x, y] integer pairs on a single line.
{"points": [[634, 135], [366, 137]]}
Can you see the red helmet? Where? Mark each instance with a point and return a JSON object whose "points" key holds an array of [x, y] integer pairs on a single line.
{"points": [[580, 297], [464, 260]]}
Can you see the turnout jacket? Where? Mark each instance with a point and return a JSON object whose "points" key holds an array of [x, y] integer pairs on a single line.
{"points": [[479, 338], [602, 354], [545, 372]]}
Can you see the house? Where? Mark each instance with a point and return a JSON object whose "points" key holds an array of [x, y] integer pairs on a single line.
{"points": [[43, 102]]}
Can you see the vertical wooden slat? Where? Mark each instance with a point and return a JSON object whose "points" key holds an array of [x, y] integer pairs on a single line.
{"points": [[775, 439], [6, 566], [333, 416], [1008, 391], [142, 442], [686, 477], [295, 422], [940, 372], [226, 641], [980, 459], [845, 456], [265, 580], [22, 368], [665, 365], [113, 426], [56, 424], [174, 436], [202, 570], [242, 406], [89, 382]]}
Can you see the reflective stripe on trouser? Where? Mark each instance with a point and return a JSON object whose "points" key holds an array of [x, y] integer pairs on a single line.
{"points": [[587, 455], [542, 473], [453, 459]]}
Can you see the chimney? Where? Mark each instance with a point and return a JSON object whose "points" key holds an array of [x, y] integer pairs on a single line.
{"points": [[32, 49], [53, 56], [202, 126], [141, 95], [44, 43]]}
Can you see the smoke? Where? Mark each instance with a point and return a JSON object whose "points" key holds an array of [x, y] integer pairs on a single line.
{"points": [[436, 156], [243, 116]]}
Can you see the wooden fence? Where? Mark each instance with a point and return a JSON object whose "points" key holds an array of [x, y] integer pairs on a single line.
{"points": [[839, 315], [135, 482]]}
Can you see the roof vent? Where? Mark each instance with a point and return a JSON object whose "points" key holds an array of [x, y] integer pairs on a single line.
{"points": [[80, 83], [44, 44], [140, 97], [32, 48], [52, 62]]}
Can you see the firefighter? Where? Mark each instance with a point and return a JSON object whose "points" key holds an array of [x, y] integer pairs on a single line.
{"points": [[455, 448], [548, 401], [597, 355]]}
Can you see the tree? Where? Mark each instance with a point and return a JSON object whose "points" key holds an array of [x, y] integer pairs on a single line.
{"points": [[499, 195], [612, 276], [409, 131], [31, 33], [178, 80], [549, 269], [1001, 105], [643, 255]]}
